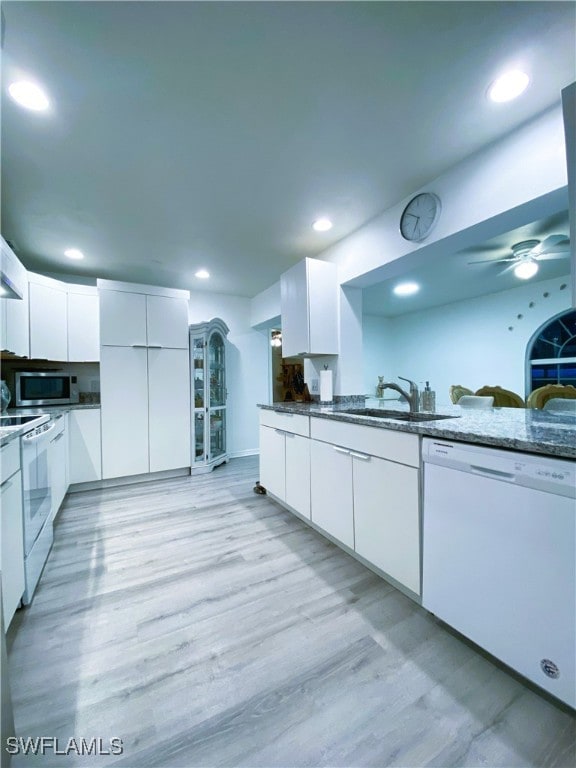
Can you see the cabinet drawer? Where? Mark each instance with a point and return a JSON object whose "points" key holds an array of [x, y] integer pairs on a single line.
{"points": [[9, 459], [376, 441], [289, 422]]}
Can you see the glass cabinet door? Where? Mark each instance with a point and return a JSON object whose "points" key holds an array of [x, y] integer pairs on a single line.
{"points": [[208, 369], [217, 371]]}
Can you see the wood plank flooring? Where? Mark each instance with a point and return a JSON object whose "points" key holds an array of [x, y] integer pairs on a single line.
{"points": [[205, 626]]}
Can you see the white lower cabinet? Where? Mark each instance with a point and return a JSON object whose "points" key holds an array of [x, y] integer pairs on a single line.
{"points": [[386, 518], [364, 486], [84, 446], [331, 491], [58, 461], [285, 459], [11, 530]]}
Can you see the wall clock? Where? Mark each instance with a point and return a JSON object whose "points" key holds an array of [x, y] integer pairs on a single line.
{"points": [[420, 216]]}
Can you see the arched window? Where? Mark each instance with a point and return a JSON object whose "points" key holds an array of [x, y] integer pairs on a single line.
{"points": [[551, 352]]}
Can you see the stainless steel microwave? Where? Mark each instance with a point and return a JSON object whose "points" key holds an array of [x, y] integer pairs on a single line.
{"points": [[45, 388]]}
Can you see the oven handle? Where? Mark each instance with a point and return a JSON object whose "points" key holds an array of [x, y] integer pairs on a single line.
{"points": [[33, 438]]}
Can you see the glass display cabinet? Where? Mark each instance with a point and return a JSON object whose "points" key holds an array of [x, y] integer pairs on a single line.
{"points": [[208, 383]]}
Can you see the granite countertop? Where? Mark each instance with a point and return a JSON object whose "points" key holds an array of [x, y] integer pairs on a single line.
{"points": [[521, 429], [7, 434]]}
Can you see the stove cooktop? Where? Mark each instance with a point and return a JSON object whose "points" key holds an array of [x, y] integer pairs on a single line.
{"points": [[15, 421]]}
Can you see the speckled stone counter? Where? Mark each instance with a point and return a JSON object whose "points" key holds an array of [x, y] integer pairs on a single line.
{"points": [[521, 429]]}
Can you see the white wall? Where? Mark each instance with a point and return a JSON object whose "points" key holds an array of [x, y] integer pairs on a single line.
{"points": [[248, 361], [514, 181], [467, 342]]}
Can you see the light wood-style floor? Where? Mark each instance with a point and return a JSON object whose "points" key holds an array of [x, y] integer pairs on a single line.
{"points": [[205, 626]]}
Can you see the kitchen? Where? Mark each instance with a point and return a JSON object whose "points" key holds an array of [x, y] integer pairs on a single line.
{"points": [[528, 193]]}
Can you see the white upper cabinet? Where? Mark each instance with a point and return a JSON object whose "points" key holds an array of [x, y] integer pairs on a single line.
{"points": [[83, 324], [167, 322], [122, 319], [142, 316], [15, 324], [309, 306], [48, 319]]}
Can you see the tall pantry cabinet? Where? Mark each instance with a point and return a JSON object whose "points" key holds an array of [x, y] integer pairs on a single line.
{"points": [[144, 379]]}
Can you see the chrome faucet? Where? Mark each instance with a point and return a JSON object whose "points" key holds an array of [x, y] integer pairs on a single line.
{"points": [[413, 397]]}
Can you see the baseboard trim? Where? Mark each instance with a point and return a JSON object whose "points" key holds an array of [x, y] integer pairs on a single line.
{"points": [[112, 482], [247, 452]]}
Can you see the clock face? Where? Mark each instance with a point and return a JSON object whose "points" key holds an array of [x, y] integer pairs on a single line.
{"points": [[420, 216]]}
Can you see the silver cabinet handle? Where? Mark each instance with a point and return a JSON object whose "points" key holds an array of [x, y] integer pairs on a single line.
{"points": [[341, 450], [139, 346], [363, 456], [6, 484], [58, 437], [155, 346]]}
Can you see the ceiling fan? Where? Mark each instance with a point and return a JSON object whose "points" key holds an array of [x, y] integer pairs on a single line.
{"points": [[526, 255]]}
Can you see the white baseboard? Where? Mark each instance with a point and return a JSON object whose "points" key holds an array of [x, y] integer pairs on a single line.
{"points": [[247, 452]]}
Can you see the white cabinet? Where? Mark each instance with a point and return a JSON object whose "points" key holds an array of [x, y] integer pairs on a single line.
{"points": [[58, 461], [15, 324], [48, 319], [11, 529], [124, 406], [122, 318], [84, 445], [386, 518], [130, 319], [331, 491], [309, 306], [144, 379], [285, 458], [168, 408], [83, 324], [365, 493]]}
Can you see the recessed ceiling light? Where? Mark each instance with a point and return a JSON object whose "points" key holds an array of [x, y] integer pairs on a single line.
{"points": [[73, 253], [508, 86], [406, 289], [322, 225], [203, 274], [29, 95], [526, 269]]}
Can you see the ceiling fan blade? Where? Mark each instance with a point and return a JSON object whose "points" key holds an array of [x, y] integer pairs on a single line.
{"points": [[549, 244], [493, 261], [553, 255]]}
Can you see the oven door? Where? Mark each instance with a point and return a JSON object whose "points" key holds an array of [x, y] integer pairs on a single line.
{"points": [[35, 484]]}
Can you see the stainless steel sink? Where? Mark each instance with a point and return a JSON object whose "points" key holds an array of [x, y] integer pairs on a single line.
{"points": [[380, 413]]}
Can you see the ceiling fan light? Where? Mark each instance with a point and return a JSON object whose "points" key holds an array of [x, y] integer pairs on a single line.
{"points": [[509, 86], [526, 269]]}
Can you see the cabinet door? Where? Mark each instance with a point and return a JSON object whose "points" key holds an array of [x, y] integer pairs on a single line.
{"points": [[167, 321], [122, 318], [83, 327], [298, 473], [12, 546], [48, 323], [273, 461], [386, 518], [58, 472], [84, 446], [169, 408], [331, 491], [16, 329], [124, 404], [294, 308]]}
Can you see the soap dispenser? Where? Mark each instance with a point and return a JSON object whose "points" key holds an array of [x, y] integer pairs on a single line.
{"points": [[428, 399]]}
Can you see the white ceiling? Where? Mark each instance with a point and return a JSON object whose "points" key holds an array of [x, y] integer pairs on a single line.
{"points": [[207, 134]]}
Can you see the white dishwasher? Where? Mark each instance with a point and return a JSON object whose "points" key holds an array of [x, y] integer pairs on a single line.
{"points": [[499, 548]]}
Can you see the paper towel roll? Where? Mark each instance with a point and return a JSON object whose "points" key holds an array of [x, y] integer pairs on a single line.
{"points": [[326, 386]]}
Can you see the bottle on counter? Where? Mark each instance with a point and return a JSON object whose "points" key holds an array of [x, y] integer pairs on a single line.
{"points": [[427, 399]]}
